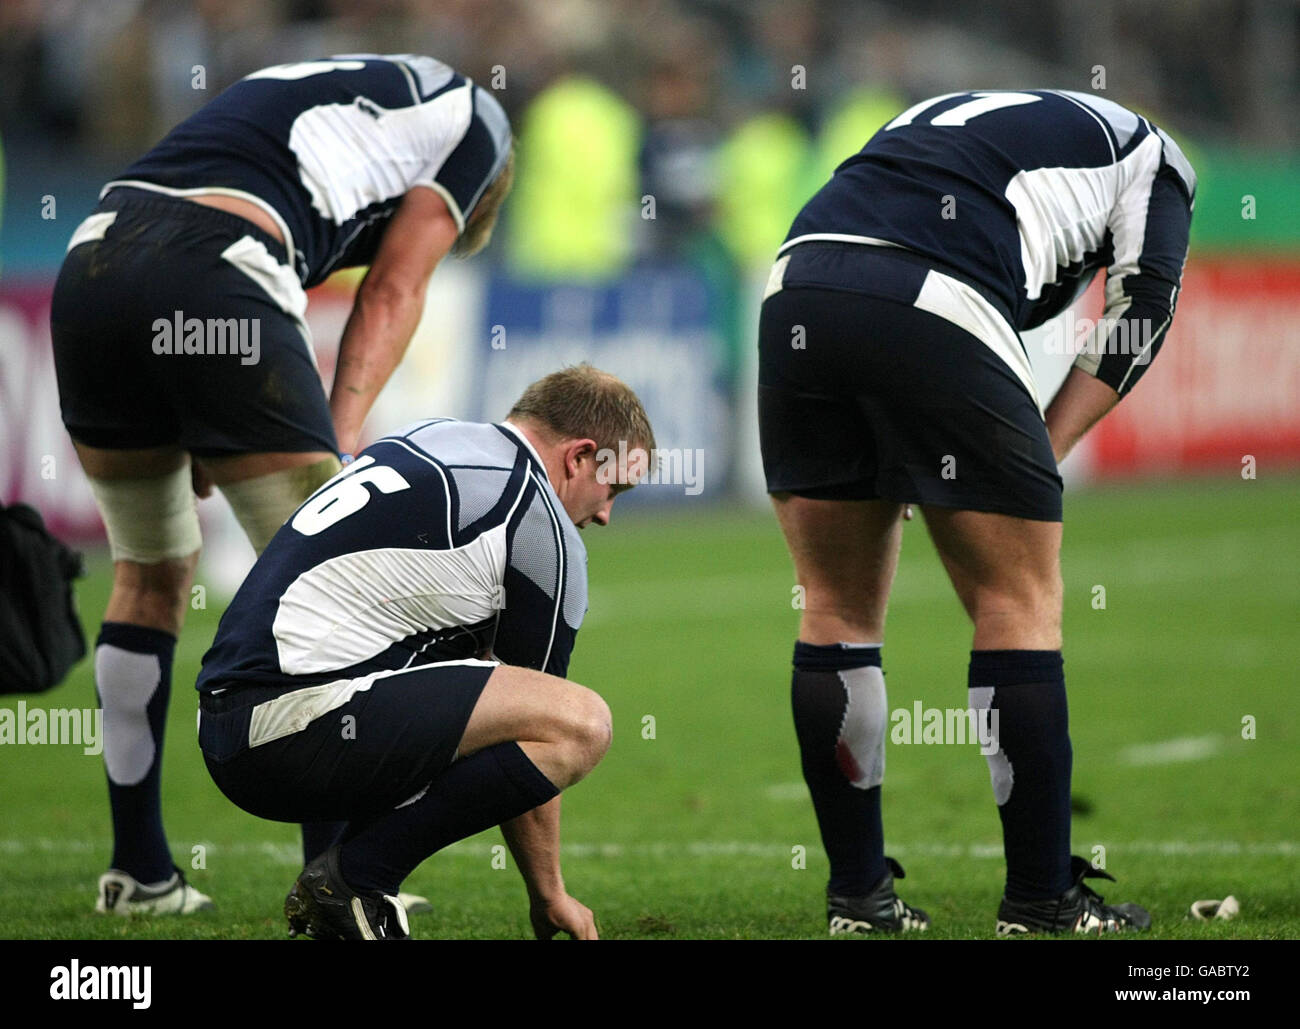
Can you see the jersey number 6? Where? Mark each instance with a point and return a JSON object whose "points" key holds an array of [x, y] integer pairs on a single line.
{"points": [[346, 496]]}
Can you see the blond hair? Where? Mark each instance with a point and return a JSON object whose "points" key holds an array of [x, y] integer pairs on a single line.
{"points": [[582, 402], [483, 219]]}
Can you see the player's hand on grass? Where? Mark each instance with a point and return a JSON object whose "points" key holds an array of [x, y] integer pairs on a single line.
{"points": [[563, 915]]}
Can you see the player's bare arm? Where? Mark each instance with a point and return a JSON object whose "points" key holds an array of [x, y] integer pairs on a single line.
{"points": [[534, 840], [564, 729], [388, 307], [1142, 286], [1079, 404]]}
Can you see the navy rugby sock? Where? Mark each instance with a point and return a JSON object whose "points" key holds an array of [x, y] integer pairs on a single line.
{"points": [[1024, 694], [133, 678], [475, 793], [318, 837], [840, 714]]}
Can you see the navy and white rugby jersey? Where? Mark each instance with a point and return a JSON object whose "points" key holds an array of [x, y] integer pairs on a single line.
{"points": [[1026, 195], [329, 148], [441, 543]]}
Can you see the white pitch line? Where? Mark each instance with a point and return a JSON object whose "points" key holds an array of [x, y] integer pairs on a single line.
{"points": [[290, 854], [1168, 752]]}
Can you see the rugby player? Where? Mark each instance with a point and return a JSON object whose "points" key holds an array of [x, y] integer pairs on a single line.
{"points": [[183, 357], [396, 657], [892, 373]]}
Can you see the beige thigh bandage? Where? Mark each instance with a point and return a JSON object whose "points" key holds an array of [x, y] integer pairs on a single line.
{"points": [[262, 504], [149, 520]]}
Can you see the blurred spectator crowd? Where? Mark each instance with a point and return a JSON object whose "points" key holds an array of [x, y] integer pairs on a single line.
{"points": [[656, 129]]}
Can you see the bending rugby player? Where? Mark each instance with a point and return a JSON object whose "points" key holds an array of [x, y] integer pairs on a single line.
{"points": [[891, 372], [183, 357]]}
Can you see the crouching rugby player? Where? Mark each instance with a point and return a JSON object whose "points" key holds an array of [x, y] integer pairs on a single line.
{"points": [[396, 658]]}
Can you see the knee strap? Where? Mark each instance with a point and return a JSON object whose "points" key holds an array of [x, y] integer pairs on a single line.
{"points": [[262, 504], [149, 520]]}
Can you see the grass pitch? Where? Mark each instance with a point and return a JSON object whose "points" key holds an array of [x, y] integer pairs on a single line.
{"points": [[697, 824]]}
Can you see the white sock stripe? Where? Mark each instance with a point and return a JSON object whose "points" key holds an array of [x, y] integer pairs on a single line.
{"points": [[127, 681], [866, 716]]}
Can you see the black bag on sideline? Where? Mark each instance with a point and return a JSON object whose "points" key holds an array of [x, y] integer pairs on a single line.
{"points": [[40, 633]]}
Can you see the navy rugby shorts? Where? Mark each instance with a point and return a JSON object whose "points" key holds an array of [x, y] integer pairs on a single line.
{"points": [[349, 750], [176, 324], [865, 392]]}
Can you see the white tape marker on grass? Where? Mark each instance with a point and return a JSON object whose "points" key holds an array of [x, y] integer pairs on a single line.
{"points": [[1168, 752]]}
